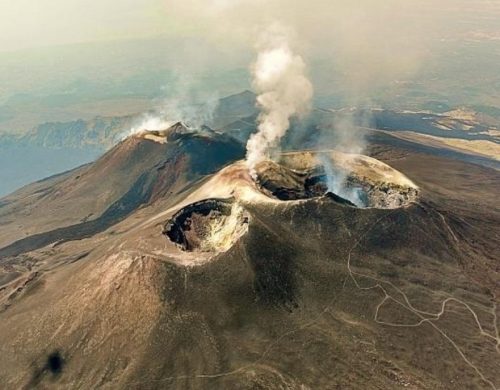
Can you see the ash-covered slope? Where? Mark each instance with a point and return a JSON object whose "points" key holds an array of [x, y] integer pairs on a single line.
{"points": [[259, 292], [89, 199]]}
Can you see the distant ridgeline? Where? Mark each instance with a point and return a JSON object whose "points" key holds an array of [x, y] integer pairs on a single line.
{"points": [[100, 132], [52, 148], [236, 115], [104, 132]]}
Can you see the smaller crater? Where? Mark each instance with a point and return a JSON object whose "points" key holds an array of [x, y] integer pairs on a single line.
{"points": [[211, 225]]}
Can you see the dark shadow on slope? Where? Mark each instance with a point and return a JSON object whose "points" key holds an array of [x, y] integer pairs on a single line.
{"points": [[136, 196], [52, 368]]}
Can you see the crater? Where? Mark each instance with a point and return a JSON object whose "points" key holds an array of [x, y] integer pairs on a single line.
{"points": [[211, 225], [352, 180]]}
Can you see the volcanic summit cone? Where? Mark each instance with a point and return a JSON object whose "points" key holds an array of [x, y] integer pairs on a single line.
{"points": [[165, 265]]}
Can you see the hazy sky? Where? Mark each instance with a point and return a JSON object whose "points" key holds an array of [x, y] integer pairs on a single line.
{"points": [[366, 43], [31, 23], [352, 48]]}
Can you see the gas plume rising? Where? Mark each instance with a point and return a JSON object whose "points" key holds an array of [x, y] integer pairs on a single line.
{"points": [[347, 136], [283, 91], [336, 182]]}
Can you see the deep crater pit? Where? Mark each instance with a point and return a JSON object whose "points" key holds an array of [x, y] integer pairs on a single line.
{"points": [[211, 225], [342, 186]]}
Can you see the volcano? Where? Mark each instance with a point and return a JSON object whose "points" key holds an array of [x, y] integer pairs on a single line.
{"points": [[142, 168], [164, 264]]}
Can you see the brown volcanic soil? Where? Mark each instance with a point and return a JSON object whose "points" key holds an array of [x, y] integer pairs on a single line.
{"points": [[315, 295], [465, 195]]}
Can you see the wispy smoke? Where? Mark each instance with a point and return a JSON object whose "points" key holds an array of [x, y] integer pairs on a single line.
{"points": [[187, 103], [283, 91], [346, 135], [347, 130], [336, 182], [147, 122]]}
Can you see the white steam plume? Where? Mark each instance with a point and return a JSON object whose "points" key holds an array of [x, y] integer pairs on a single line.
{"points": [[283, 91]]}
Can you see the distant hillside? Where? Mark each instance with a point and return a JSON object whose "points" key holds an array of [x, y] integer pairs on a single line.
{"points": [[100, 132], [104, 132], [233, 107], [237, 114]]}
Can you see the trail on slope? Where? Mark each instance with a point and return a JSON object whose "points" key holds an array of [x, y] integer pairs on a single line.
{"points": [[425, 317]]}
